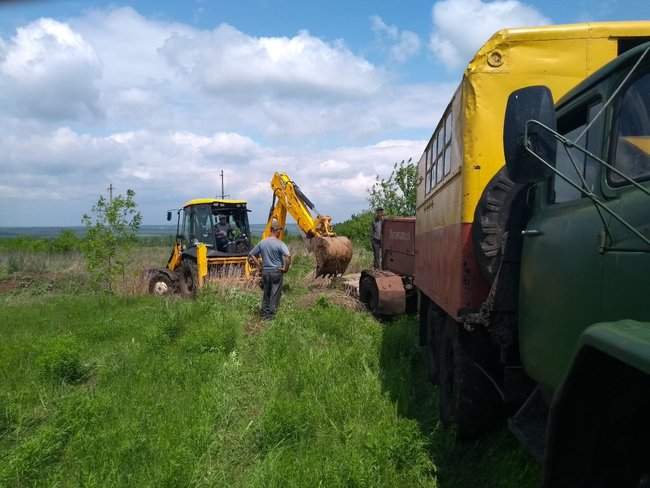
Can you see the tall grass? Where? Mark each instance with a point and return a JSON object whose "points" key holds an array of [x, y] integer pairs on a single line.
{"points": [[126, 390]]}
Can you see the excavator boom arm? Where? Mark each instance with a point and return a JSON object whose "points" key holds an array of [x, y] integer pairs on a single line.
{"points": [[332, 253], [287, 198]]}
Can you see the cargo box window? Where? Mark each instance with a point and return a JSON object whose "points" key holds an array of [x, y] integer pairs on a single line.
{"points": [[427, 171], [432, 159], [632, 134], [440, 153]]}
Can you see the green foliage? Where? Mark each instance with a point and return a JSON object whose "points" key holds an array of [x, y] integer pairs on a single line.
{"points": [[202, 393], [396, 194], [110, 232], [357, 229], [61, 362], [66, 241]]}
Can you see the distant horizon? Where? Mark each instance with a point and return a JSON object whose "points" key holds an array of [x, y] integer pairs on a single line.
{"points": [[145, 230]]}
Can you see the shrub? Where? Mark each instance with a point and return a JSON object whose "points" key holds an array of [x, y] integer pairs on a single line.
{"points": [[397, 193], [66, 241], [110, 232], [61, 362], [357, 229]]}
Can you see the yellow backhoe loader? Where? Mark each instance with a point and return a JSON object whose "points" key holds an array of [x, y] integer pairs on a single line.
{"points": [[332, 253], [212, 242]]}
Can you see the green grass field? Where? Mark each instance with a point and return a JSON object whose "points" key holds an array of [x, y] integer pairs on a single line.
{"points": [[139, 391]]}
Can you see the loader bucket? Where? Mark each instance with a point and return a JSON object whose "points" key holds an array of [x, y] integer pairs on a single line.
{"points": [[333, 254]]}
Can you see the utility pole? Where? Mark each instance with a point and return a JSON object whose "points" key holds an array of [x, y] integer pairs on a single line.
{"points": [[223, 195], [110, 193]]}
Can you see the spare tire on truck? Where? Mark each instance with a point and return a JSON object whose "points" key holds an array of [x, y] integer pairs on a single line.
{"points": [[495, 212]]}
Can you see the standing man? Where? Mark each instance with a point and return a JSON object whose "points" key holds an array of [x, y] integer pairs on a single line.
{"points": [[275, 262], [375, 237]]}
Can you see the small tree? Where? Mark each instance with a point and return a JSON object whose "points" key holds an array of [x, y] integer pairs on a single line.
{"points": [[396, 194], [110, 231]]}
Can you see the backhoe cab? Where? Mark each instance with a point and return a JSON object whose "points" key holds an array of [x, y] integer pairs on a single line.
{"points": [[212, 242]]}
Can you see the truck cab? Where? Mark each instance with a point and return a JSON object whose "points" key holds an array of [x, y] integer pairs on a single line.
{"points": [[583, 316]]}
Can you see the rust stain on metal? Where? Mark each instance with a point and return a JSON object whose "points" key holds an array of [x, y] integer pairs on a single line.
{"points": [[391, 293]]}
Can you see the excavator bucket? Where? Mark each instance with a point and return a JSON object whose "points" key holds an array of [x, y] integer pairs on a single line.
{"points": [[333, 254]]}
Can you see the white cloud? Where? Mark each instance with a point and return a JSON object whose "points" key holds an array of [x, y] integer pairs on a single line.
{"points": [[168, 75], [49, 71], [128, 45], [162, 107], [460, 27], [403, 44], [226, 59], [168, 168]]}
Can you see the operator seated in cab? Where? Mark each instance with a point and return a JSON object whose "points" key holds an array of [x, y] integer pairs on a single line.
{"points": [[224, 232]]}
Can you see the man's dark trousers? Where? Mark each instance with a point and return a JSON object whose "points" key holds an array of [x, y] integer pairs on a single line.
{"points": [[272, 281], [376, 253]]}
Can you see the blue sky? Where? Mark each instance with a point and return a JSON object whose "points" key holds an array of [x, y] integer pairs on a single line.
{"points": [[160, 96]]}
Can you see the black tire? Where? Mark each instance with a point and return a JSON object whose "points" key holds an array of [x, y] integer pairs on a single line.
{"points": [[466, 396], [160, 284], [491, 218], [423, 311], [188, 279], [435, 322], [368, 293]]}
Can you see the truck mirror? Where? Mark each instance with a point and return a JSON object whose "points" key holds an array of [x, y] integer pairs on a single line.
{"points": [[169, 215], [526, 104]]}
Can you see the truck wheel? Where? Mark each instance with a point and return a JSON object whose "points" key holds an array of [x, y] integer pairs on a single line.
{"points": [[368, 293], [188, 279], [491, 218], [466, 396], [435, 321], [160, 284]]}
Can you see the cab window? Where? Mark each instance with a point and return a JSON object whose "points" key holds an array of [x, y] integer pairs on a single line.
{"points": [[570, 126], [632, 134]]}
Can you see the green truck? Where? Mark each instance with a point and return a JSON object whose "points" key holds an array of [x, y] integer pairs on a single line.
{"points": [[579, 236]]}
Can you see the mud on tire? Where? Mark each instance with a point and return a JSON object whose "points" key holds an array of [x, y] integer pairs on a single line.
{"points": [[467, 398], [160, 284], [492, 216], [435, 320], [188, 279]]}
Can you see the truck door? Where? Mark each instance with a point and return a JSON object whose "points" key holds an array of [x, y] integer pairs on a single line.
{"points": [[627, 268], [561, 266]]}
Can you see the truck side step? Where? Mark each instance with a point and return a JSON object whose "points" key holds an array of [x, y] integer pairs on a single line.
{"points": [[529, 424]]}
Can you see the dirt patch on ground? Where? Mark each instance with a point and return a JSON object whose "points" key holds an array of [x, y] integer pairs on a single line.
{"points": [[7, 286], [335, 296]]}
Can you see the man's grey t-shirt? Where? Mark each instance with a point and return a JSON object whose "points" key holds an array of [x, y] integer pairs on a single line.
{"points": [[272, 251]]}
